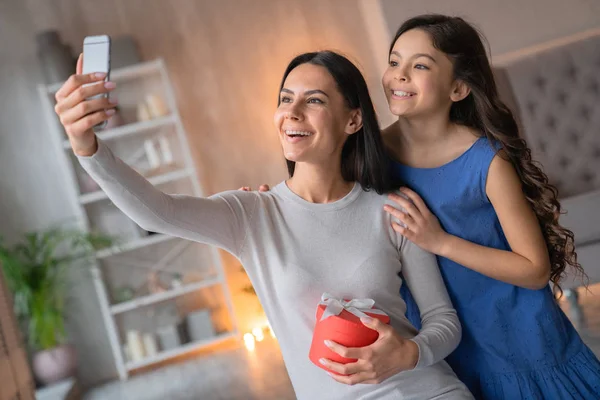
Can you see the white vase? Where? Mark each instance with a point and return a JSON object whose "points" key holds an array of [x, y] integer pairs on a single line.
{"points": [[54, 365]]}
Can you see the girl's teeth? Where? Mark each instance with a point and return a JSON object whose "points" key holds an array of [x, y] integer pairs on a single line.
{"points": [[297, 133], [400, 93]]}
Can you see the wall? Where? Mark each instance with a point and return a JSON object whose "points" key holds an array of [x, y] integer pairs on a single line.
{"points": [[508, 24]]}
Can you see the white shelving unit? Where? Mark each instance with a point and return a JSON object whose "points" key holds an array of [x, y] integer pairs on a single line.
{"points": [[140, 253]]}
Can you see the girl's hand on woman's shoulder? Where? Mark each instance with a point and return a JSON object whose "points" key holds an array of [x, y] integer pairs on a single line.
{"points": [[420, 225], [262, 188]]}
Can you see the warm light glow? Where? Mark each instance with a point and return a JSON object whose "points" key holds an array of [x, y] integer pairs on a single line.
{"points": [[249, 341], [258, 334], [271, 331]]}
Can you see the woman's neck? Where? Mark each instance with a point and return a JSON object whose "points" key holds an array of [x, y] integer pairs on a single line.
{"points": [[319, 183]]}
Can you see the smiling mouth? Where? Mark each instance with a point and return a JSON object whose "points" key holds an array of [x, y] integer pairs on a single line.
{"points": [[293, 134], [402, 93]]}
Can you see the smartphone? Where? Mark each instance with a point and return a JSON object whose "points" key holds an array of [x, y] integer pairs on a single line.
{"points": [[96, 58]]}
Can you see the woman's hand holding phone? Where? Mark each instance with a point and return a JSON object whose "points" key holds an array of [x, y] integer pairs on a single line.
{"points": [[78, 113]]}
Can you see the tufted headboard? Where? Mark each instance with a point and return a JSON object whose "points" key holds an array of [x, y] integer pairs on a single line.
{"points": [[554, 91]]}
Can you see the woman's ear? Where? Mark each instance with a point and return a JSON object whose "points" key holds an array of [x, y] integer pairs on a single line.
{"points": [[354, 122], [460, 90]]}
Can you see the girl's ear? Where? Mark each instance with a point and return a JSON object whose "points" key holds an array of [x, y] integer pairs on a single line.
{"points": [[460, 90]]}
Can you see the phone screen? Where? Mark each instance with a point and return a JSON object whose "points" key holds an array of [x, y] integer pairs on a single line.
{"points": [[96, 58], [96, 54]]}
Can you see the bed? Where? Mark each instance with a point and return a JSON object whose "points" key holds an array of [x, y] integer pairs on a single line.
{"points": [[554, 91]]}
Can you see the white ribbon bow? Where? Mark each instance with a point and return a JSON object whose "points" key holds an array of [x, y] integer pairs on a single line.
{"points": [[335, 306]]}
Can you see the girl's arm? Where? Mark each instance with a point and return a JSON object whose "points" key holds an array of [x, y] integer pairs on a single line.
{"points": [[527, 265]]}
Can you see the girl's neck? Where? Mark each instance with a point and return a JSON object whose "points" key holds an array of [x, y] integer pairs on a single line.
{"points": [[422, 132], [319, 183], [428, 142]]}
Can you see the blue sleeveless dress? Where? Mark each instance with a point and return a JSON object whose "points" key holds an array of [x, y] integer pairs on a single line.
{"points": [[517, 343]]}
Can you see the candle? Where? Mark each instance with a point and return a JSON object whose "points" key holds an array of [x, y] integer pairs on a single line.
{"points": [[249, 341], [258, 334], [136, 347]]}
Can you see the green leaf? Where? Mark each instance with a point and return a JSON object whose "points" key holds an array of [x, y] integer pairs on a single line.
{"points": [[37, 270]]}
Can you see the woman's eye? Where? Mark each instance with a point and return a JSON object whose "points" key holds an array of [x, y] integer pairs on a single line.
{"points": [[285, 99], [393, 64], [315, 101]]}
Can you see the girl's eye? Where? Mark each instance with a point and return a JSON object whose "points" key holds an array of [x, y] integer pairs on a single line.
{"points": [[315, 101], [393, 64], [421, 66], [286, 99]]}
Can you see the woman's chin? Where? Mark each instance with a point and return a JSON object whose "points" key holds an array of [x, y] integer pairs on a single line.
{"points": [[294, 156]]}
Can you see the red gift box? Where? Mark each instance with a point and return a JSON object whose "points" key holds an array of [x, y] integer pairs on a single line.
{"points": [[339, 321]]}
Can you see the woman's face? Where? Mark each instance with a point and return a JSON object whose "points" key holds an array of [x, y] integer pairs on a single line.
{"points": [[419, 78], [313, 119]]}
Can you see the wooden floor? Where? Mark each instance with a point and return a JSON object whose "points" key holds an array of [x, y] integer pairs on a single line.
{"points": [[238, 374]]}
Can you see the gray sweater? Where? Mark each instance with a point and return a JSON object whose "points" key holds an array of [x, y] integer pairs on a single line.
{"points": [[293, 252]]}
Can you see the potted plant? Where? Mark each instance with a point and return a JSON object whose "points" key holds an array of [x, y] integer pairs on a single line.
{"points": [[36, 273]]}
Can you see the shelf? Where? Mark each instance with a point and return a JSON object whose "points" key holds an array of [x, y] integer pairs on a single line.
{"points": [[166, 295], [155, 180], [131, 129], [136, 82], [134, 245], [122, 74], [179, 351]]}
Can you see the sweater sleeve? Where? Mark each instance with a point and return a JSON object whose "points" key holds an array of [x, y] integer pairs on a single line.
{"points": [[220, 220], [441, 331]]}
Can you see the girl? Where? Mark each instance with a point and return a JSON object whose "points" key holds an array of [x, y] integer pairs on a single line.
{"points": [[308, 235], [496, 233]]}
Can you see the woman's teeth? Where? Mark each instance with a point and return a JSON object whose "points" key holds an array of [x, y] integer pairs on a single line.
{"points": [[298, 133], [401, 93]]}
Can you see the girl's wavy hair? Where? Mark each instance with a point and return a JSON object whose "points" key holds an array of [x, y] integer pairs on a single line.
{"points": [[483, 110]]}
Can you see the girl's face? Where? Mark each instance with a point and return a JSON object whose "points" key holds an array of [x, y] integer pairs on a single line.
{"points": [[312, 119], [419, 79]]}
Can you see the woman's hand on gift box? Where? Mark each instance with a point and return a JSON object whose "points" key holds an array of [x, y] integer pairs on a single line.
{"points": [[389, 355]]}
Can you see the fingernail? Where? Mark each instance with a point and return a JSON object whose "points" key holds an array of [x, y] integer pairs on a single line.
{"points": [[366, 320], [322, 361], [113, 100], [110, 85], [328, 343], [100, 75], [110, 111]]}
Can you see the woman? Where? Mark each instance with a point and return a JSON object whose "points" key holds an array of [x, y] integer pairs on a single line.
{"points": [[308, 235]]}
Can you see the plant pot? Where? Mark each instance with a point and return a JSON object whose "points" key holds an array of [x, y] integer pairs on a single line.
{"points": [[53, 365]]}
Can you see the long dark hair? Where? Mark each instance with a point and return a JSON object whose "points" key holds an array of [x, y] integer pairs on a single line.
{"points": [[364, 159], [482, 110]]}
